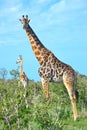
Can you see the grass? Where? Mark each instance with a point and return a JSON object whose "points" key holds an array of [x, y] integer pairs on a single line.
{"points": [[80, 124]]}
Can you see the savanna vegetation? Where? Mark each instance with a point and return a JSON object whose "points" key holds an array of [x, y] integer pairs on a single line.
{"points": [[27, 109]]}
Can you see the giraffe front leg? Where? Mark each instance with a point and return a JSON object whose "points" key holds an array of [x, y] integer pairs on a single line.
{"points": [[45, 87], [19, 82]]}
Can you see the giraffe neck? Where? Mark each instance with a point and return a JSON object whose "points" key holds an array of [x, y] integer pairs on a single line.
{"points": [[40, 51], [21, 68]]}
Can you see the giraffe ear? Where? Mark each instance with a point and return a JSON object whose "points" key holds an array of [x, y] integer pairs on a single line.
{"points": [[27, 16], [29, 20], [20, 56], [20, 20]]}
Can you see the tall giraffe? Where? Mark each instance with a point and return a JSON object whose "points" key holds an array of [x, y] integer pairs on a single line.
{"points": [[51, 68], [23, 78]]}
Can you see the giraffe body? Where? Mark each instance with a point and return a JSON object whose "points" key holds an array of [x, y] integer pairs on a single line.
{"points": [[55, 70], [24, 80], [51, 68]]}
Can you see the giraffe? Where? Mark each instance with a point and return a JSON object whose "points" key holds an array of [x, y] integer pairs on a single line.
{"points": [[51, 68], [23, 78]]}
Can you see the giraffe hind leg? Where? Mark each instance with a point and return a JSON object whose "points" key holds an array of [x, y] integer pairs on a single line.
{"points": [[70, 88]]}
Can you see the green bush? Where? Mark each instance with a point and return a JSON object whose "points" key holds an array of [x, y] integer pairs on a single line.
{"points": [[27, 109]]}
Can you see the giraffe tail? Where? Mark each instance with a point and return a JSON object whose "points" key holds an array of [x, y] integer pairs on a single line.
{"points": [[77, 95], [76, 92]]}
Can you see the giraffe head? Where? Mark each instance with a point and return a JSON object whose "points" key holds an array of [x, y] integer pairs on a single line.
{"points": [[19, 60], [25, 21]]}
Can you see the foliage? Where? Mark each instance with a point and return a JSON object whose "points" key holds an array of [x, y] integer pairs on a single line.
{"points": [[14, 73], [26, 108], [3, 73]]}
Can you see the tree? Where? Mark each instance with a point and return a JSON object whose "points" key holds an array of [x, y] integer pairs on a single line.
{"points": [[14, 73], [3, 73]]}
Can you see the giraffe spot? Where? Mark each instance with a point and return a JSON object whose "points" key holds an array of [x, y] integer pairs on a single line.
{"points": [[30, 37], [45, 57], [32, 42], [39, 58], [34, 47], [37, 53], [39, 47], [41, 62], [59, 65]]}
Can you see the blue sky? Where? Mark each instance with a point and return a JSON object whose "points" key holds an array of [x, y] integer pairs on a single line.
{"points": [[61, 25]]}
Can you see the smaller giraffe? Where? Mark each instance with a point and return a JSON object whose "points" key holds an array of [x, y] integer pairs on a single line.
{"points": [[23, 78]]}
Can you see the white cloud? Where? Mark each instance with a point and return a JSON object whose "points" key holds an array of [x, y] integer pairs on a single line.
{"points": [[58, 7], [15, 8], [64, 11], [66, 6]]}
